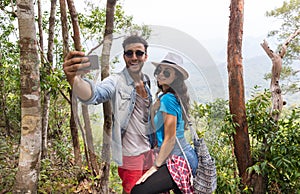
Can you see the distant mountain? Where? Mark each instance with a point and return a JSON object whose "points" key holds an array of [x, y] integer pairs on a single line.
{"points": [[256, 64], [254, 70], [206, 62]]}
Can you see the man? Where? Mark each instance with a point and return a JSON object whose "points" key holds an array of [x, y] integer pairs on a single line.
{"points": [[131, 100]]}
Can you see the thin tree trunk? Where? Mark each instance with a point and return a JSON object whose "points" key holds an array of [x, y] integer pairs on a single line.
{"points": [[48, 66], [45, 104], [274, 86], [275, 89], [78, 47], [74, 131], [73, 127], [236, 89], [3, 108], [92, 162], [31, 126], [76, 30], [40, 27], [107, 108], [64, 26], [87, 133]]}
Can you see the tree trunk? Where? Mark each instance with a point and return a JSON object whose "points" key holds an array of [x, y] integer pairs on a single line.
{"points": [[73, 126], [45, 105], [74, 132], [64, 26], [4, 122], [92, 162], [277, 101], [76, 30], [236, 89], [31, 129], [48, 66], [107, 108], [87, 132]]}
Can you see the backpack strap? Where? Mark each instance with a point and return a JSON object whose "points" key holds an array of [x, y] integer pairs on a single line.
{"points": [[147, 80]]}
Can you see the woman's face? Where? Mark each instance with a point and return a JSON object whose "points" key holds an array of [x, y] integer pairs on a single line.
{"points": [[165, 74]]}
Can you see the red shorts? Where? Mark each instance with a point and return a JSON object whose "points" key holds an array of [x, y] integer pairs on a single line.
{"points": [[133, 168]]}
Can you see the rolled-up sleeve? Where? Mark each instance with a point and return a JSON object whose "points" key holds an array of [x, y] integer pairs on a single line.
{"points": [[101, 91]]}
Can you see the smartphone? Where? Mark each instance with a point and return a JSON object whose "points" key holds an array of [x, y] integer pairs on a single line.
{"points": [[94, 61]]}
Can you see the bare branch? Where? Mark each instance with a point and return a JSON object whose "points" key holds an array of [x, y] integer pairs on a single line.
{"points": [[267, 49], [286, 43], [100, 43]]}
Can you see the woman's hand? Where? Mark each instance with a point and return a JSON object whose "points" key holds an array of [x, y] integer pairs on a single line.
{"points": [[154, 108], [156, 105], [152, 170]]}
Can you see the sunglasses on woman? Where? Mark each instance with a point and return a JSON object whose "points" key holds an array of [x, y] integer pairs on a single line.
{"points": [[129, 53], [166, 72]]}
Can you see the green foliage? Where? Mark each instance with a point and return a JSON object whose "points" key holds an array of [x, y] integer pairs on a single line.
{"points": [[284, 153], [58, 174], [258, 116], [289, 80], [8, 160], [92, 25], [275, 146], [214, 121], [10, 73], [288, 13], [115, 182], [55, 81], [57, 177]]}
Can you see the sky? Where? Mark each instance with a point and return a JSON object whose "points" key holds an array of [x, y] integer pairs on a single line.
{"points": [[208, 21], [202, 19]]}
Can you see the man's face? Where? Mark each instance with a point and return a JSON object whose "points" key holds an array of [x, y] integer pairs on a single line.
{"points": [[135, 56]]}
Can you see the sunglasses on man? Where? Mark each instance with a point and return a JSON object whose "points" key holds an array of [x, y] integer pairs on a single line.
{"points": [[129, 53]]}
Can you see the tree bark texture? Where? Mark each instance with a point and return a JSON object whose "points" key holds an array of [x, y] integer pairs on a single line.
{"points": [[31, 133], [277, 101], [64, 26], [275, 86], [40, 27], [48, 66], [4, 122], [76, 29], [91, 156], [73, 127], [44, 104], [74, 131], [236, 89], [87, 132], [107, 107]]}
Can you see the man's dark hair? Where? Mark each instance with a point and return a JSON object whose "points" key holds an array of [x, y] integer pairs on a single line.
{"points": [[135, 39]]}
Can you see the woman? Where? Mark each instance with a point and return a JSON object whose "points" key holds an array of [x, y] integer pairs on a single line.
{"points": [[170, 170]]}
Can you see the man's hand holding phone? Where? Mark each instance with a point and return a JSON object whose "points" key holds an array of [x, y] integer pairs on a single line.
{"points": [[76, 63], [93, 63], [88, 63]]}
